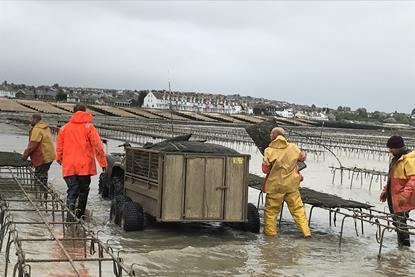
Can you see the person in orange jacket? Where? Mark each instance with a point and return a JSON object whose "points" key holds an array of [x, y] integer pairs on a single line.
{"points": [[40, 148], [282, 183], [77, 146], [399, 191]]}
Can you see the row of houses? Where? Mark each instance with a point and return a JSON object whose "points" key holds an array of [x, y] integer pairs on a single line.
{"points": [[38, 93], [193, 102]]}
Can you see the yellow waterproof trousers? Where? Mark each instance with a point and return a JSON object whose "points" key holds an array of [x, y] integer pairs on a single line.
{"points": [[273, 202]]}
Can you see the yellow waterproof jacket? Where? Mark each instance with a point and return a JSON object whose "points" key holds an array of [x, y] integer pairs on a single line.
{"points": [[281, 157], [403, 183], [40, 148]]}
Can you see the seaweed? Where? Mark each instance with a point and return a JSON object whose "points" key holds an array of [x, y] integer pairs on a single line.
{"points": [[12, 159], [314, 198]]}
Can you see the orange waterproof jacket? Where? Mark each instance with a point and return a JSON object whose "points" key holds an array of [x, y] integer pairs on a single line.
{"points": [[40, 148], [78, 145]]}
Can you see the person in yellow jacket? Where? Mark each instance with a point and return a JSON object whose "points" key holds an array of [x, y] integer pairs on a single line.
{"points": [[40, 148], [282, 182], [399, 191]]}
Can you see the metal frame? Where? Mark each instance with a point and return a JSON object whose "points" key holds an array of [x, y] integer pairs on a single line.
{"points": [[19, 187], [382, 220]]}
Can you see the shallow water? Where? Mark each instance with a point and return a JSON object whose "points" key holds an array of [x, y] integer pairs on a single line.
{"points": [[213, 250]]}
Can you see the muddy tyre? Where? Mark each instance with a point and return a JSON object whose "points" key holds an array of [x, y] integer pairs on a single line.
{"points": [[132, 218], [113, 212], [102, 186], [118, 185], [117, 207], [253, 223]]}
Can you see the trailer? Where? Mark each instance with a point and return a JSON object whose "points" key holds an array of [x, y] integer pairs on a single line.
{"points": [[184, 187]]}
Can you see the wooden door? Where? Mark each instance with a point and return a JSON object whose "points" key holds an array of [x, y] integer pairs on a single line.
{"points": [[204, 188]]}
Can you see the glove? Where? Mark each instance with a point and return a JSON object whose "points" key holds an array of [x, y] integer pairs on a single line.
{"points": [[382, 196]]}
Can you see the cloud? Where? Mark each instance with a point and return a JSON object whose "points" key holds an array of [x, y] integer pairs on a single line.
{"points": [[358, 54]]}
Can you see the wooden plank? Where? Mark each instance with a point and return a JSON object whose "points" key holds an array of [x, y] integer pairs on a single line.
{"points": [[173, 182], [194, 194], [235, 203], [149, 205], [145, 188], [214, 188]]}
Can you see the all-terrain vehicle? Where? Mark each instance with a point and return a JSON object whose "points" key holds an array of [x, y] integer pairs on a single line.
{"points": [[179, 180], [111, 182]]}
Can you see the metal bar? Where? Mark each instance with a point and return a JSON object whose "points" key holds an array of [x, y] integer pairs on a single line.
{"points": [[52, 233], [21, 176], [64, 260]]}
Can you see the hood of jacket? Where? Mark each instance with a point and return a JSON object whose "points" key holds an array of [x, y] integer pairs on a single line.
{"points": [[279, 143], [41, 124], [81, 117], [410, 155]]}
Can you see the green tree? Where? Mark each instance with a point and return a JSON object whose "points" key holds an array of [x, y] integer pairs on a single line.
{"points": [[141, 96], [61, 96], [377, 115], [401, 117], [361, 113]]}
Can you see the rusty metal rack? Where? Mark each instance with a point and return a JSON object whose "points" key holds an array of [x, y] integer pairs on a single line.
{"points": [[383, 222], [359, 173], [341, 149], [55, 237], [361, 213]]}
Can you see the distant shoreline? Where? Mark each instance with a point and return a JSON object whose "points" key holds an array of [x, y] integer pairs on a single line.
{"points": [[9, 128]]}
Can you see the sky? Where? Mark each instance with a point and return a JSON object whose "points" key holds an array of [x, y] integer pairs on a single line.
{"points": [[327, 53]]}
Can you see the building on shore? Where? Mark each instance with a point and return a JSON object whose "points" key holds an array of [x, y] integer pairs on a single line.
{"points": [[46, 94], [191, 102], [7, 92], [25, 94]]}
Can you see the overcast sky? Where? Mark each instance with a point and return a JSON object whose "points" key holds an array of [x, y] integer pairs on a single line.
{"points": [[348, 53]]}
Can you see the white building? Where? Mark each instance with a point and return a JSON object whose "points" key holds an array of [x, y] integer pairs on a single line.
{"points": [[7, 92], [189, 102], [288, 113], [156, 100]]}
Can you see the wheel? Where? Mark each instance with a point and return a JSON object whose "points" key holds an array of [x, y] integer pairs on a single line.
{"points": [[102, 186], [113, 212], [253, 222], [132, 217], [117, 207], [118, 185], [110, 188]]}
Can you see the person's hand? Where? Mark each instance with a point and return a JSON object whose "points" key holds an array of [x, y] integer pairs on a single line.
{"points": [[382, 196], [401, 200]]}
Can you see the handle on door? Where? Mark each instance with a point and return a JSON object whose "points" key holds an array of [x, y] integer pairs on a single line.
{"points": [[223, 187]]}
